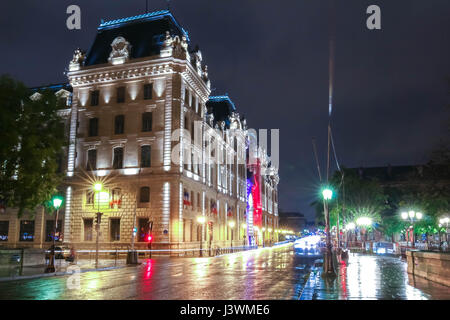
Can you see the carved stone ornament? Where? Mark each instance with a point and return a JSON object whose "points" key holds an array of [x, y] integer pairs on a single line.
{"points": [[120, 51], [77, 60], [167, 46]]}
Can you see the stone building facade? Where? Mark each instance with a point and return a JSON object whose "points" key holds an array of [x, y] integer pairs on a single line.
{"points": [[170, 159]]}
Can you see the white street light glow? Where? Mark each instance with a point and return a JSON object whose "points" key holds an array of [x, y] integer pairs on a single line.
{"points": [[364, 221], [404, 215], [327, 194]]}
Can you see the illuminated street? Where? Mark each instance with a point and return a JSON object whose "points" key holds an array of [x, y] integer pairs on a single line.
{"points": [[271, 273]]}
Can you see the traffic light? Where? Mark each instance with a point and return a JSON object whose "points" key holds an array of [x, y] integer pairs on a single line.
{"points": [[149, 238]]}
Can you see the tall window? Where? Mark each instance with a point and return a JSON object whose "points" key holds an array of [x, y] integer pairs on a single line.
{"points": [[26, 230], [186, 96], [144, 229], [148, 91], [4, 230], [93, 127], [88, 227], [120, 94], [118, 158], [144, 195], [116, 199], [92, 160], [147, 121], [50, 229], [95, 97], [119, 124], [145, 156], [114, 229]]}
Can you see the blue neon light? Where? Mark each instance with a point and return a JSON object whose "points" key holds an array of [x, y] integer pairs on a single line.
{"points": [[223, 98], [146, 16]]}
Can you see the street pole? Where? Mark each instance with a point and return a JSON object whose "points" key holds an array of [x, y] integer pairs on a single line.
{"points": [[97, 226], [328, 265], [201, 240], [51, 262]]}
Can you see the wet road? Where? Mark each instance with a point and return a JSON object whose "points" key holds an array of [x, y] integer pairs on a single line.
{"points": [[270, 273]]}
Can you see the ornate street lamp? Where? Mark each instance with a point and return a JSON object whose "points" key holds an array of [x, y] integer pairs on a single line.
{"points": [[98, 186], [413, 217], [56, 202], [445, 221], [327, 195]]}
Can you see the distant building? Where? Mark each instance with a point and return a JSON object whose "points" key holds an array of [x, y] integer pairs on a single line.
{"points": [[294, 221]]}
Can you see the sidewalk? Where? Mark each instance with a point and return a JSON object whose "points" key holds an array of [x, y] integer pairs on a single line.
{"points": [[372, 277], [85, 265]]}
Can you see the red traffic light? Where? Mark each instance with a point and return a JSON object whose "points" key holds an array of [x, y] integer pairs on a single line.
{"points": [[149, 238]]}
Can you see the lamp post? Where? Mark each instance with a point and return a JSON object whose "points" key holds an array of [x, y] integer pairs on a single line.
{"points": [[413, 217], [201, 220], [445, 221], [56, 201], [327, 194], [244, 226], [231, 224], [97, 188]]}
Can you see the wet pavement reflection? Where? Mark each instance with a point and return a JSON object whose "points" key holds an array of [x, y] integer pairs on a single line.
{"points": [[269, 273]]}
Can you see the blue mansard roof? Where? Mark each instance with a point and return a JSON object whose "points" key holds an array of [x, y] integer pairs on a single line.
{"points": [[221, 107], [144, 32]]}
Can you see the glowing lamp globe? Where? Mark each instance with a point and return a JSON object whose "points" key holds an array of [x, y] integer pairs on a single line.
{"points": [[404, 215], [231, 224], [327, 194], [419, 215], [98, 186], [201, 219], [57, 201]]}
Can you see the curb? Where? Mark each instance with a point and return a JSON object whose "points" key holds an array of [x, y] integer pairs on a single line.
{"points": [[56, 274]]}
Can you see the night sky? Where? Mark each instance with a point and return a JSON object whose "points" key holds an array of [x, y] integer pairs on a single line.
{"points": [[271, 57]]}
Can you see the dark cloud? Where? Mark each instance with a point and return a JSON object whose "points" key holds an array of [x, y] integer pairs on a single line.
{"points": [[272, 58]]}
